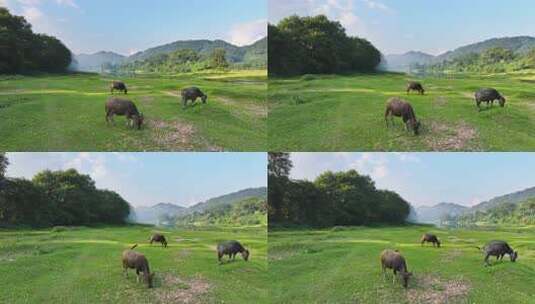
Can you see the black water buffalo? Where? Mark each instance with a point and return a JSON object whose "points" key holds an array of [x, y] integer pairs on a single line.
{"points": [[394, 260], [498, 249], [431, 238], [123, 107], [159, 238], [119, 86], [231, 248], [400, 108], [488, 95], [139, 262], [191, 94], [415, 86]]}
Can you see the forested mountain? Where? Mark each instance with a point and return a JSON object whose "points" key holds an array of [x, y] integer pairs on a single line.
{"points": [[516, 207], [235, 54], [179, 56], [153, 214], [249, 211], [230, 199], [165, 212], [518, 45], [492, 55], [433, 214], [402, 62], [94, 62], [518, 213], [513, 198]]}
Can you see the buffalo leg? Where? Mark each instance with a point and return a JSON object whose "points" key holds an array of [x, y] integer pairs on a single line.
{"points": [[487, 260]]}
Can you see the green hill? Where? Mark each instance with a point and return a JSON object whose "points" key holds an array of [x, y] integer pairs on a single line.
{"points": [[518, 45], [235, 54]]}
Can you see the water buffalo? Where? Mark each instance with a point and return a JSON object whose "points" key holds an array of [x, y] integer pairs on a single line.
{"points": [[488, 95], [400, 108], [415, 86], [231, 248], [160, 238], [192, 94], [394, 260], [431, 238], [123, 107], [498, 249], [139, 262], [119, 86]]}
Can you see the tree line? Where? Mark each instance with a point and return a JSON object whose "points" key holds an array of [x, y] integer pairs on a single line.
{"points": [[316, 45], [57, 198], [22, 50], [333, 198]]}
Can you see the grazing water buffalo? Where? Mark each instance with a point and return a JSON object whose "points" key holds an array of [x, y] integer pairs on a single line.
{"points": [[137, 261], [400, 108], [192, 94], [415, 86], [394, 260], [123, 107], [498, 249], [431, 238], [158, 238], [231, 248], [488, 95], [119, 86]]}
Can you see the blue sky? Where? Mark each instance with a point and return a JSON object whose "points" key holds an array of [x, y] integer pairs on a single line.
{"points": [[433, 26], [127, 26], [430, 178], [145, 179]]}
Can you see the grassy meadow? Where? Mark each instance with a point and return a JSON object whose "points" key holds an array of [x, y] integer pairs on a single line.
{"points": [[346, 113], [83, 265], [341, 265], [66, 113]]}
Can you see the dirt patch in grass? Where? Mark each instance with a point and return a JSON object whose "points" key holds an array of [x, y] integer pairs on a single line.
{"points": [[440, 101], [444, 137], [177, 290], [147, 99], [451, 255], [430, 289], [171, 93], [257, 110], [468, 95], [177, 135]]}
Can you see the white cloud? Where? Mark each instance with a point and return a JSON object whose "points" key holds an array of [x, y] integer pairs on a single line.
{"points": [[3, 3], [249, 32], [70, 3], [373, 4], [32, 13]]}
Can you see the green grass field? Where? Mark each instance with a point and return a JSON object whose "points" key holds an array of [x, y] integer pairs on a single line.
{"points": [[346, 113], [341, 265], [84, 266], [60, 113]]}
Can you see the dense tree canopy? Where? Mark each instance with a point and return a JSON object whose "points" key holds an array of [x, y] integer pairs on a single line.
{"points": [[59, 198], [341, 198], [313, 45], [23, 51], [3, 164]]}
